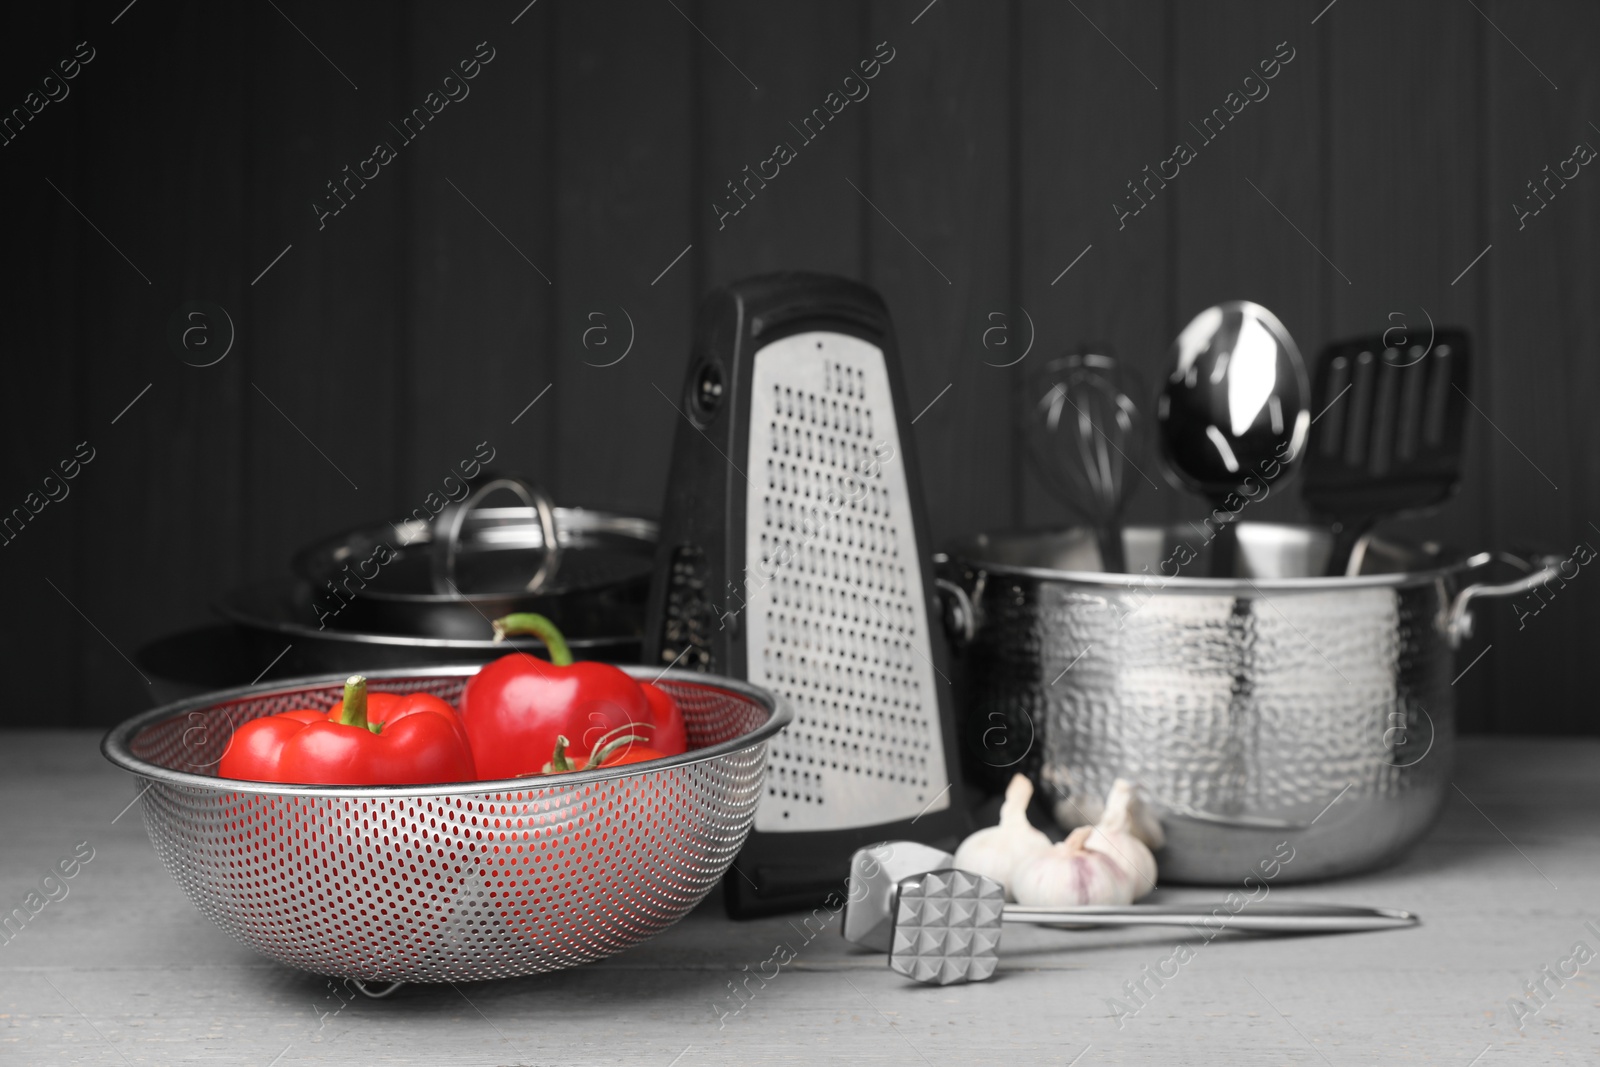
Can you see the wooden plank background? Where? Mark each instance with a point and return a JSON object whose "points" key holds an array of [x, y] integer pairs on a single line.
{"points": [[467, 278]]}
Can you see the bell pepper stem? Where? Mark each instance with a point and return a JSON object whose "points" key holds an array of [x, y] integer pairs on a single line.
{"points": [[604, 752], [527, 622], [558, 758], [559, 763], [354, 711]]}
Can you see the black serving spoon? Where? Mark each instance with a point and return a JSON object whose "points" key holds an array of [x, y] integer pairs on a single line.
{"points": [[1233, 414]]}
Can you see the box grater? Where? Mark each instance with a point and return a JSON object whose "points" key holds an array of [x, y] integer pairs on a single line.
{"points": [[792, 554]]}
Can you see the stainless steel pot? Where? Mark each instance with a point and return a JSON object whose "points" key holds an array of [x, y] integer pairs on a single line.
{"points": [[1256, 709], [448, 578]]}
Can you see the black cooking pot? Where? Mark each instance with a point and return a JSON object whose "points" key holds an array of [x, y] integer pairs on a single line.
{"points": [[449, 577]]}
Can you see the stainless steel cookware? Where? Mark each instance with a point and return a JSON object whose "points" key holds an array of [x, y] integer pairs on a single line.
{"points": [[275, 632], [1253, 709], [448, 577], [454, 882]]}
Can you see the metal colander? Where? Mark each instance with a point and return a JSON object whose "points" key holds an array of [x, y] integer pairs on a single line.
{"points": [[458, 882]]}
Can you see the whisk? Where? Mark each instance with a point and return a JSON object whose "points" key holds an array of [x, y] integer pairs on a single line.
{"points": [[1085, 434]]}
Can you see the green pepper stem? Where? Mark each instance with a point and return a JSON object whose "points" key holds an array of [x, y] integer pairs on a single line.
{"points": [[603, 753], [558, 758], [610, 743], [354, 711], [527, 622]]}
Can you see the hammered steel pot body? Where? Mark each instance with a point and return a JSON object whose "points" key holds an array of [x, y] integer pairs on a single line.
{"points": [[449, 882], [1251, 711]]}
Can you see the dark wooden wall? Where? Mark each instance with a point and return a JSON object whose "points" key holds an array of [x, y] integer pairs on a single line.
{"points": [[458, 285]]}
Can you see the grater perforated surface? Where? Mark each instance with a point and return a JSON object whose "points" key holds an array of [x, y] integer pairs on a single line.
{"points": [[444, 883], [833, 592]]}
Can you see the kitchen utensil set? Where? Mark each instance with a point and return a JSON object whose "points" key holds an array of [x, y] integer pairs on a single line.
{"points": [[1234, 415], [792, 554]]}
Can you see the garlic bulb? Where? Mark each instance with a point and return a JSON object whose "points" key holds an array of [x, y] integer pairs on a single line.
{"points": [[1142, 822], [1079, 809], [1082, 809], [999, 851], [1107, 863]]}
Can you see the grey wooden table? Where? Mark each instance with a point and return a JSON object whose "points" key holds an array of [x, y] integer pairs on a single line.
{"points": [[118, 968]]}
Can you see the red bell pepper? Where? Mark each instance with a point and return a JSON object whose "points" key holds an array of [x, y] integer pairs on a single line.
{"points": [[365, 739], [515, 708], [670, 737]]}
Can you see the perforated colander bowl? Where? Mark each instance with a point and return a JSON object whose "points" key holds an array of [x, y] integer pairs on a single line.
{"points": [[456, 882]]}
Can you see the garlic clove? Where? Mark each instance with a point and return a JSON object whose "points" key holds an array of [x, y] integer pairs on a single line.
{"points": [[1107, 863], [1132, 855], [1079, 809], [1071, 874], [997, 851], [1082, 809], [1132, 814]]}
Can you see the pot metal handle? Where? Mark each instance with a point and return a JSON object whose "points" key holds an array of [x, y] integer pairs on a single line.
{"points": [[960, 617], [1541, 569], [447, 546]]}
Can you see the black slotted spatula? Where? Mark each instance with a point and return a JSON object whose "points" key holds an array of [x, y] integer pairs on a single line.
{"points": [[1388, 437]]}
